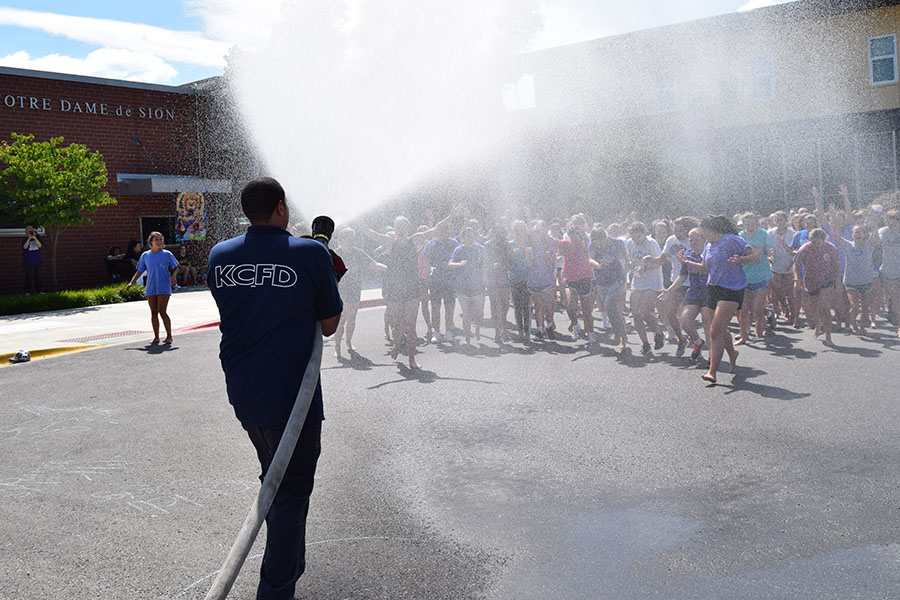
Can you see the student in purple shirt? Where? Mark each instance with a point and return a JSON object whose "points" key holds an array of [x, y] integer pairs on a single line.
{"points": [[723, 257], [695, 296]]}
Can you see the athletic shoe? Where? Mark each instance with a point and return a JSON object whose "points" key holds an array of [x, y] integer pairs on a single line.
{"points": [[506, 338], [679, 351], [770, 319], [539, 335], [645, 349], [606, 324], [576, 333], [659, 340], [436, 338], [695, 352], [448, 337], [592, 338]]}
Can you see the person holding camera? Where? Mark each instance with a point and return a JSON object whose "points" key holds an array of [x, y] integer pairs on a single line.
{"points": [[271, 289], [32, 260]]}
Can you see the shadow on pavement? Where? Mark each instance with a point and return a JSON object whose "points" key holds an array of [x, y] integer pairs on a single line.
{"points": [[155, 348], [739, 383], [424, 376], [357, 362]]}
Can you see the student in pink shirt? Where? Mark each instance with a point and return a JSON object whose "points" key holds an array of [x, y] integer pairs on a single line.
{"points": [[821, 266], [579, 277]]}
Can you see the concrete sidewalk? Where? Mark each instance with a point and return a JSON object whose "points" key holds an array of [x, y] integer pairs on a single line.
{"points": [[61, 331]]}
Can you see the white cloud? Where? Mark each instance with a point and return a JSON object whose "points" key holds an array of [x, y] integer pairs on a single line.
{"points": [[179, 46], [754, 4], [112, 63]]}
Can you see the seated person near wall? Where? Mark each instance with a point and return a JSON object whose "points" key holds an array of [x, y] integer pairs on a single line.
{"points": [[115, 264], [185, 268]]}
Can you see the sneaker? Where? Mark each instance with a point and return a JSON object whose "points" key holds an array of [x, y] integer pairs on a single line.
{"points": [[448, 337], [679, 351], [659, 340], [576, 333], [592, 338], [770, 319], [177, 287], [645, 349], [436, 338], [539, 335], [606, 324], [695, 351], [506, 338]]}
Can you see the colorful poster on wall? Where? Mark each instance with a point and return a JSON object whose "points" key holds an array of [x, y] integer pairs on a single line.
{"points": [[190, 217]]}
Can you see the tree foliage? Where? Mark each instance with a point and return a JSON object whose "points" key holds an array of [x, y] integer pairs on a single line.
{"points": [[49, 185]]}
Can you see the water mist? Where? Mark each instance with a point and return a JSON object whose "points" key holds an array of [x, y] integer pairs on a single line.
{"points": [[352, 102]]}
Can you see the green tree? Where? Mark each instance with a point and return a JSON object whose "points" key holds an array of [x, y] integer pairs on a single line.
{"points": [[45, 184]]}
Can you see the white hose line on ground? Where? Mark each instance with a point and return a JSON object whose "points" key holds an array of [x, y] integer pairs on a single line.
{"points": [[260, 508]]}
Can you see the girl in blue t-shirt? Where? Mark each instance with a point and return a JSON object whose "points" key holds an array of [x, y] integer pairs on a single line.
{"points": [[758, 275], [160, 265]]}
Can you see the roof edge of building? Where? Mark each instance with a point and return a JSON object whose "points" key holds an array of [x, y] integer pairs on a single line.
{"points": [[154, 87]]}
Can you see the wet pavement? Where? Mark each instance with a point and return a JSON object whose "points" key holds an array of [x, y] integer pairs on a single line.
{"points": [[543, 471]]}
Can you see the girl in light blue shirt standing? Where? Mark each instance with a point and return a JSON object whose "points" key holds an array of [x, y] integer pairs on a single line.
{"points": [[160, 265]]}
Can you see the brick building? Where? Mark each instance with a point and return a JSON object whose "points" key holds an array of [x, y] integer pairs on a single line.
{"points": [[150, 138]]}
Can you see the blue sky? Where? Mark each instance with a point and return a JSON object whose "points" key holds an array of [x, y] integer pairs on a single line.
{"points": [[179, 41]]}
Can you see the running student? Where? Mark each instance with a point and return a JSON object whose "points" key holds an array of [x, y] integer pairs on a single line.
{"points": [[859, 273], [160, 265], [579, 277], [758, 275], [781, 290], [499, 260], [821, 267], [541, 259], [646, 285], [468, 261], [437, 255], [890, 259], [670, 305], [695, 296], [723, 256], [357, 261], [518, 279], [607, 256]]}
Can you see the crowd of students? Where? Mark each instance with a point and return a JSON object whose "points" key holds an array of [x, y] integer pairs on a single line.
{"points": [[834, 267]]}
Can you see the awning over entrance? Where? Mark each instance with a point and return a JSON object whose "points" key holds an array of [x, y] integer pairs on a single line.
{"points": [[145, 185]]}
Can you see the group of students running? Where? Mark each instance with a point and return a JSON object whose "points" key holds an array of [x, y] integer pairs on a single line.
{"points": [[817, 262]]}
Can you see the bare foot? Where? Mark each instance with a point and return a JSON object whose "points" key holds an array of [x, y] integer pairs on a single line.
{"points": [[733, 362], [828, 341], [168, 340], [337, 352], [413, 364], [154, 341], [622, 345], [708, 377], [739, 341], [817, 332], [395, 351], [351, 347], [862, 331]]}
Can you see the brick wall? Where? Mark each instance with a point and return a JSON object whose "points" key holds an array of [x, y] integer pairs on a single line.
{"points": [[163, 120]]}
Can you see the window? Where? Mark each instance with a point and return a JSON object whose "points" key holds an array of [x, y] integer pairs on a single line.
{"points": [[883, 59], [762, 77], [164, 224], [519, 95]]}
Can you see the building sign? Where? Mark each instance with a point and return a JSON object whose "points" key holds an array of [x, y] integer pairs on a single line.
{"points": [[84, 107], [190, 217]]}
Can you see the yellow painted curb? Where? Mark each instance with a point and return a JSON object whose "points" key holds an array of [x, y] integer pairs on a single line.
{"points": [[45, 352]]}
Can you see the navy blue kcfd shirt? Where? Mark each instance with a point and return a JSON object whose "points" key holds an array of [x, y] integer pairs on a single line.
{"points": [[271, 289]]}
